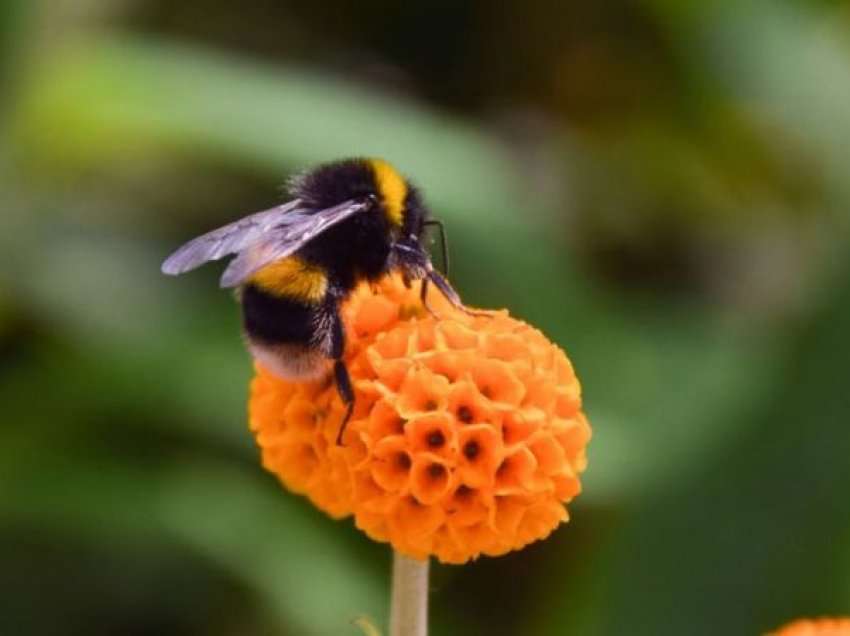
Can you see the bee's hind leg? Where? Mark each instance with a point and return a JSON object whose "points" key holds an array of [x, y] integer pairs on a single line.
{"points": [[346, 392], [343, 380]]}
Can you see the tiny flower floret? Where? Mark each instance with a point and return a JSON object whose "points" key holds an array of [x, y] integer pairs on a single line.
{"points": [[467, 437]]}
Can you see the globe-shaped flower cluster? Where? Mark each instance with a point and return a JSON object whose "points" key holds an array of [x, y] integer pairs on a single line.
{"points": [[467, 436]]}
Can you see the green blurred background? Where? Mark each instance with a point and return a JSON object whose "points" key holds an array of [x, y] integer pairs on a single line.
{"points": [[661, 186]]}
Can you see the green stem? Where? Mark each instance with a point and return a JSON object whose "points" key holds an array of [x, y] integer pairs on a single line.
{"points": [[409, 608]]}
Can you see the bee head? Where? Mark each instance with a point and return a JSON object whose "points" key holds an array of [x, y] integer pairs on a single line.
{"points": [[394, 197], [333, 183]]}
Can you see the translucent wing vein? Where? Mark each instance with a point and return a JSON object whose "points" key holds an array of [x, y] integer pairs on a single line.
{"points": [[231, 238], [283, 241]]}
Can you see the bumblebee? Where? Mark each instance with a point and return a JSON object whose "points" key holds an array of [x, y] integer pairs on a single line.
{"points": [[349, 221]]}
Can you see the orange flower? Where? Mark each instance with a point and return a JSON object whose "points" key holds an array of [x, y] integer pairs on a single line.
{"points": [[815, 627], [467, 436]]}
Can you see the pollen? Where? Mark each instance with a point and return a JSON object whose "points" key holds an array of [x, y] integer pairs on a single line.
{"points": [[815, 627], [467, 438]]}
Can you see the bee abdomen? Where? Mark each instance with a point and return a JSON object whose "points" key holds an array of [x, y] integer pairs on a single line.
{"points": [[276, 319], [293, 278], [281, 334], [290, 361]]}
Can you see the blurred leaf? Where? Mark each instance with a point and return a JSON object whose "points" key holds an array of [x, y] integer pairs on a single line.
{"points": [[784, 62], [772, 491], [305, 575], [122, 98], [15, 17], [289, 554], [664, 404]]}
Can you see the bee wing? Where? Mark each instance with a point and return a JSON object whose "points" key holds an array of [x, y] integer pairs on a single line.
{"points": [[280, 242], [231, 238]]}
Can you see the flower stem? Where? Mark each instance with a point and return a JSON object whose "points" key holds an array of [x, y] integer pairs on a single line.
{"points": [[409, 604]]}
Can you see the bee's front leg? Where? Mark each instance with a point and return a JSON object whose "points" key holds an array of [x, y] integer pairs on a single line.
{"points": [[449, 293], [423, 298]]}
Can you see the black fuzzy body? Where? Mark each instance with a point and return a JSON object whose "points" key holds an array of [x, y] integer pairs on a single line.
{"points": [[357, 249], [272, 319], [349, 222]]}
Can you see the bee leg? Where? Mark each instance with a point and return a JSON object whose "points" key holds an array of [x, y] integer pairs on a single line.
{"points": [[343, 385], [423, 297], [343, 380], [450, 294]]}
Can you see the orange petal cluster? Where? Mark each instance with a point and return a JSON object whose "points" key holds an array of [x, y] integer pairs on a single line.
{"points": [[467, 436], [815, 627]]}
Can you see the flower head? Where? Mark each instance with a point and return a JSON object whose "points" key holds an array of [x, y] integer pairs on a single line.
{"points": [[815, 627], [467, 436]]}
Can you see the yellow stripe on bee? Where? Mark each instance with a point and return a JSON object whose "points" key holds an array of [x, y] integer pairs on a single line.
{"points": [[293, 277], [392, 188]]}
